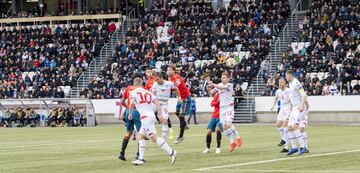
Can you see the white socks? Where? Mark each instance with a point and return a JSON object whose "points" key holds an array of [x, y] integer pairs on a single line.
{"points": [[305, 139], [234, 131], [299, 137], [229, 135], [164, 146], [286, 137], [292, 138], [165, 131], [281, 131], [142, 145]]}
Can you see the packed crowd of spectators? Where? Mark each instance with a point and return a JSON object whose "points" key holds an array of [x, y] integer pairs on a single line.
{"points": [[36, 11], [193, 31], [58, 117], [36, 61], [331, 32]]}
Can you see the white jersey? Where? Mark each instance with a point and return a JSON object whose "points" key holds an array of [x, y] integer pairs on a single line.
{"points": [[163, 92], [284, 97], [226, 96], [295, 95], [143, 101]]}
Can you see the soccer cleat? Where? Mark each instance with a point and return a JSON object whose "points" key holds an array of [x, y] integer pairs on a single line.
{"points": [[171, 133], [218, 151], [173, 157], [284, 150], [292, 151], [138, 162], [232, 146], [282, 142], [207, 150], [179, 139], [239, 142], [302, 151], [307, 150], [122, 156]]}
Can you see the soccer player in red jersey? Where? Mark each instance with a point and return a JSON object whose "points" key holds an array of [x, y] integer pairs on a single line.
{"points": [[214, 124], [183, 108], [150, 79], [135, 121]]}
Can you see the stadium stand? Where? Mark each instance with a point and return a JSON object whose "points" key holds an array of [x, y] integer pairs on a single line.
{"points": [[41, 61], [325, 53], [198, 39]]}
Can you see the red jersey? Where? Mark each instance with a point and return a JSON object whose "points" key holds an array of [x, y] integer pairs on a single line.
{"points": [[216, 104], [149, 83], [180, 84], [126, 95]]}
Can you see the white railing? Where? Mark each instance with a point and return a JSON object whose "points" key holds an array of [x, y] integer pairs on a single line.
{"points": [[97, 66]]}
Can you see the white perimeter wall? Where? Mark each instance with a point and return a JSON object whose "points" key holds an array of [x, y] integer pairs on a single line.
{"points": [[262, 104], [107, 106], [317, 103]]}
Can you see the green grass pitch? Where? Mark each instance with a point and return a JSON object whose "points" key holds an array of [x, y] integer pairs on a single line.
{"points": [[332, 149]]}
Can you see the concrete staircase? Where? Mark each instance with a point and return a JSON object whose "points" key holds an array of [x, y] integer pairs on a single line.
{"points": [[96, 65], [245, 111]]}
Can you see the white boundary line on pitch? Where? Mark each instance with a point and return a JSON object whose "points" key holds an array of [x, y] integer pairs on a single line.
{"points": [[275, 160], [74, 142], [280, 170]]}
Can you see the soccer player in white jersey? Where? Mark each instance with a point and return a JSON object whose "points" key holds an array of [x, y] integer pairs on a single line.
{"points": [[298, 99], [144, 101], [226, 91], [303, 117], [162, 90], [282, 94]]}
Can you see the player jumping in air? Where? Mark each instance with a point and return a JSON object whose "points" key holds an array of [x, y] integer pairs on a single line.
{"points": [[135, 121], [283, 94], [144, 100], [183, 108], [298, 99], [214, 124], [162, 90], [226, 98], [149, 84]]}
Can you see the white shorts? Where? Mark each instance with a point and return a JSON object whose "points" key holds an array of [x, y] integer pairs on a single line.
{"points": [[147, 125], [303, 117], [294, 117], [226, 114], [164, 111], [283, 115]]}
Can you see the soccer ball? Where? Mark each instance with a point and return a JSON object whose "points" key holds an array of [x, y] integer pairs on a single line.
{"points": [[230, 62]]}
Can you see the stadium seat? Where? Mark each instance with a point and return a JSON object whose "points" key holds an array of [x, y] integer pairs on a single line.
{"points": [[31, 74], [158, 64], [197, 63], [312, 75], [30, 88], [321, 75], [244, 86], [327, 74], [67, 89], [338, 66], [24, 74], [353, 82], [203, 63]]}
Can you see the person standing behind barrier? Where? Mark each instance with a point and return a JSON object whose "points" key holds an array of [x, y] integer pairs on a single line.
{"points": [[193, 111]]}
